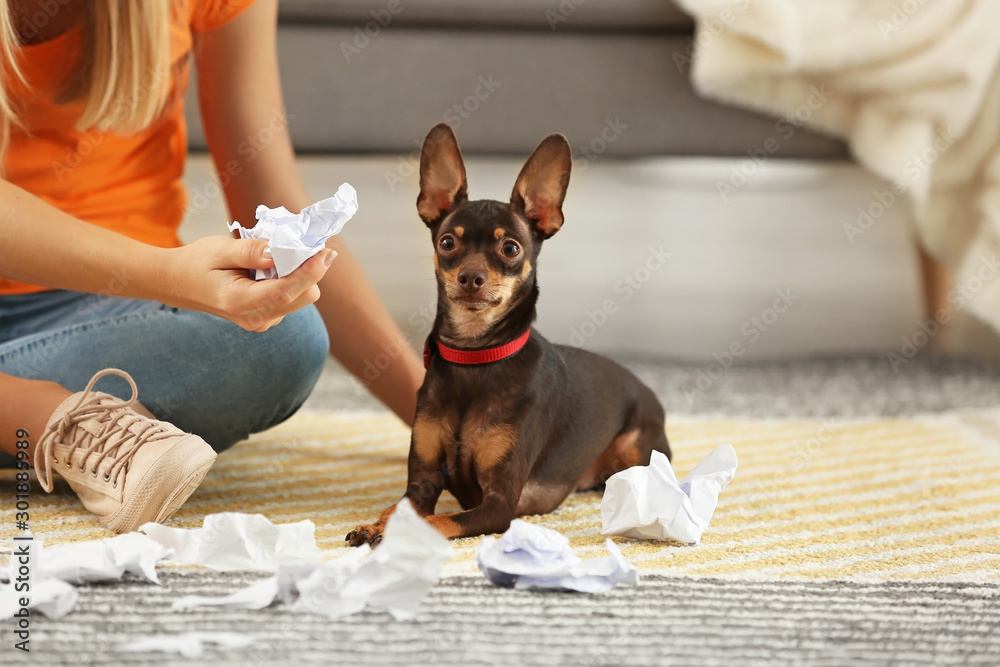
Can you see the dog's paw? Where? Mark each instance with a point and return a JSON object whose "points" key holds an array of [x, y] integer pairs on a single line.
{"points": [[364, 534]]}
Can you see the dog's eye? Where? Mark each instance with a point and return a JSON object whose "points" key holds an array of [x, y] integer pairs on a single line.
{"points": [[447, 243], [510, 249]]}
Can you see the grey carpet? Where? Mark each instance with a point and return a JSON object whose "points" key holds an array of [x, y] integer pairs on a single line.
{"points": [[835, 387], [664, 621], [465, 621]]}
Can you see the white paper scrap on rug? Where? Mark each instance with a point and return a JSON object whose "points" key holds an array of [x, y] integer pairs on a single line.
{"points": [[398, 574], [103, 561], [395, 577], [258, 595], [226, 541], [295, 237], [647, 502], [530, 556], [236, 541], [53, 570], [53, 597], [188, 644]]}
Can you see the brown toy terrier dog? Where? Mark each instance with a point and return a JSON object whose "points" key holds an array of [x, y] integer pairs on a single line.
{"points": [[506, 421]]}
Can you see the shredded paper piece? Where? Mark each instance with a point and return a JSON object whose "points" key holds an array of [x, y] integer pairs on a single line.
{"points": [[236, 541], [53, 570], [395, 577], [103, 560], [52, 597], [188, 644], [295, 237], [646, 502], [530, 556]]}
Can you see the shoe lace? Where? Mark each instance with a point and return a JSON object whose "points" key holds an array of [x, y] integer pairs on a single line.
{"points": [[122, 432]]}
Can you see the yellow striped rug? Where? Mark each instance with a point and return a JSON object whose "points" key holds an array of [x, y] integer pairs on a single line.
{"points": [[863, 500]]}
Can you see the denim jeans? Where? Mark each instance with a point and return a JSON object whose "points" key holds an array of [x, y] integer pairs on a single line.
{"points": [[199, 372]]}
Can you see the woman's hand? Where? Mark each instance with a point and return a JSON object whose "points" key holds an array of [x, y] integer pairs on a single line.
{"points": [[211, 275]]}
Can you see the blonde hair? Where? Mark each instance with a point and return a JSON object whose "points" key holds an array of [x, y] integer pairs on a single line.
{"points": [[122, 75]]}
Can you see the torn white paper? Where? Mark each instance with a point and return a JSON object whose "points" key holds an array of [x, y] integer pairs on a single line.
{"points": [[236, 541], [102, 560], [188, 644], [395, 577], [530, 556], [295, 237], [54, 569], [52, 597], [258, 595], [646, 502]]}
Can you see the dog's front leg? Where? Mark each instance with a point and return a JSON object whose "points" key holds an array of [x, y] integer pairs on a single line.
{"points": [[502, 486], [425, 481], [500, 463]]}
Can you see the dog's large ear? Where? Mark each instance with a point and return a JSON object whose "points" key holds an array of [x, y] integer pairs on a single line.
{"points": [[442, 175], [541, 186]]}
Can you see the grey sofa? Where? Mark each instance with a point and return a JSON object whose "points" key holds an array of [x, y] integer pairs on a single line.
{"points": [[363, 76]]}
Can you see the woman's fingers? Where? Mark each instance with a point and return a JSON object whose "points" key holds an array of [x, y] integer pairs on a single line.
{"points": [[251, 254], [285, 292], [264, 318], [211, 275], [267, 315], [272, 299]]}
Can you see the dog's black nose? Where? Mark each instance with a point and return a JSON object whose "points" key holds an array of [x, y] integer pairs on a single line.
{"points": [[471, 280]]}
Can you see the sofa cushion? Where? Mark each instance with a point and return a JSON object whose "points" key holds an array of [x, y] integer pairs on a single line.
{"points": [[612, 94], [543, 14]]}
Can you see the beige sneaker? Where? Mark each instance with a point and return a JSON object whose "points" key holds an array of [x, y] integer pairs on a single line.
{"points": [[127, 469]]}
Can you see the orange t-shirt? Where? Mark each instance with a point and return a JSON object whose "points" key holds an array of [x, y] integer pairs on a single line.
{"points": [[129, 184]]}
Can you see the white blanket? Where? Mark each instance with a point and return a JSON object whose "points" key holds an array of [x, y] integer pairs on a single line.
{"points": [[913, 86]]}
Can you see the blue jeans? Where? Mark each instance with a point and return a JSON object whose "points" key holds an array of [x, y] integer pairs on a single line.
{"points": [[199, 372]]}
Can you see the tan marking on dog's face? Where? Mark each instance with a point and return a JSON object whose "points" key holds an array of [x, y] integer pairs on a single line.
{"points": [[471, 324], [449, 278], [526, 269], [459, 231], [501, 285], [499, 233]]}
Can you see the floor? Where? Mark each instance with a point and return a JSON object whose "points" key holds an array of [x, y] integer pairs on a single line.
{"points": [[664, 621], [465, 621]]}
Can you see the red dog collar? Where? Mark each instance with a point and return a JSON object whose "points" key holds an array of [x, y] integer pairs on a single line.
{"points": [[474, 357]]}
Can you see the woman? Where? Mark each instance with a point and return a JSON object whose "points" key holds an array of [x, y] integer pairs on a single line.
{"points": [[92, 275]]}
